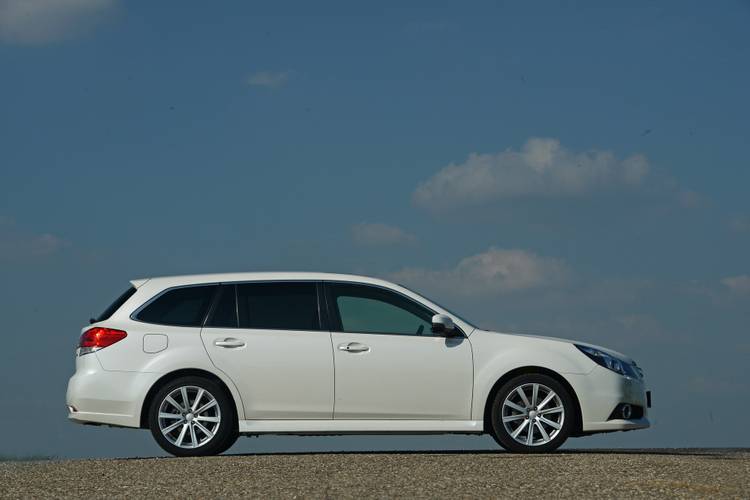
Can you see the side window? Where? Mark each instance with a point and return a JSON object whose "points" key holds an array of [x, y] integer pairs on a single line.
{"points": [[224, 314], [368, 309], [185, 306], [278, 306]]}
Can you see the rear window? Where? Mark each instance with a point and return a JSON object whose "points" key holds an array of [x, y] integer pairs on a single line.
{"points": [[114, 306], [185, 306], [278, 306]]}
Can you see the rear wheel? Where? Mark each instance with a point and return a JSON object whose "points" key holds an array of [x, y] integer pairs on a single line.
{"points": [[532, 413], [193, 416]]}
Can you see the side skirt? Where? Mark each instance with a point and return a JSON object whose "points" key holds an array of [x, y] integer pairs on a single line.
{"points": [[360, 426]]}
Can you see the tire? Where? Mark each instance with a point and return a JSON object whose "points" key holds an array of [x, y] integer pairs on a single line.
{"points": [[208, 427], [552, 420]]}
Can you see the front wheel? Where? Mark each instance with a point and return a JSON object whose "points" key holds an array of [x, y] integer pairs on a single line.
{"points": [[192, 416], [532, 413]]}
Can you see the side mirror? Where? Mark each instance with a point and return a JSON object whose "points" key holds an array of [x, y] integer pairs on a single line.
{"points": [[443, 325]]}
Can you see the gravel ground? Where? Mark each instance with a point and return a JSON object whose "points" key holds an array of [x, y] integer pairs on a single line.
{"points": [[572, 474]]}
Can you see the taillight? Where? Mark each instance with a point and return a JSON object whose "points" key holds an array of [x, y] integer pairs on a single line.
{"points": [[97, 338]]}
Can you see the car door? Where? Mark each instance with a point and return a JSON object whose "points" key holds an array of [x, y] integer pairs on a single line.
{"points": [[267, 337], [389, 364]]}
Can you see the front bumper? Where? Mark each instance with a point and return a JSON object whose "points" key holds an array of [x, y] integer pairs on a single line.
{"points": [[600, 391]]}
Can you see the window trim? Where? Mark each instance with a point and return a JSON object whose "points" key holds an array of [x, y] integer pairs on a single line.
{"points": [[332, 310], [323, 322], [134, 315], [326, 308]]}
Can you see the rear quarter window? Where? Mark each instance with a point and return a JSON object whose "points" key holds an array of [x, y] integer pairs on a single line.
{"points": [[185, 306]]}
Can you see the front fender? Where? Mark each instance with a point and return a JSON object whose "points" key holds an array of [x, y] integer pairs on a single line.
{"points": [[497, 354]]}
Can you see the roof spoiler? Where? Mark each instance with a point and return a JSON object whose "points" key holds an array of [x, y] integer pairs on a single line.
{"points": [[137, 283]]}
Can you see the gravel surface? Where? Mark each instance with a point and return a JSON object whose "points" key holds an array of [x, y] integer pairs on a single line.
{"points": [[572, 474]]}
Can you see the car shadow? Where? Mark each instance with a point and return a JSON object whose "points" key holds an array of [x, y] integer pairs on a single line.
{"points": [[710, 453], [591, 451]]}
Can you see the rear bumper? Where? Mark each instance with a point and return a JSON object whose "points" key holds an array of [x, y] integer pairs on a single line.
{"points": [[600, 391], [114, 419], [98, 396]]}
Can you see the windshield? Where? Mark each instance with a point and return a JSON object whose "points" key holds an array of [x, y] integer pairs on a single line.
{"points": [[439, 305], [114, 306]]}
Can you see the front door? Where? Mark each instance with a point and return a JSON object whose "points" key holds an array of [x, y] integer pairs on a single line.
{"points": [[388, 363], [267, 338]]}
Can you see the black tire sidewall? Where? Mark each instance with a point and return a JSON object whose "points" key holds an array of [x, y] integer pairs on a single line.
{"points": [[498, 429], [221, 441]]}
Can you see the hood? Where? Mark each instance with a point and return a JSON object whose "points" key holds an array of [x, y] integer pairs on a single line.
{"points": [[541, 338]]}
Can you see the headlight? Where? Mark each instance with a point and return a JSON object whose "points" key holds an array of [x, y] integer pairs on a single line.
{"points": [[607, 361]]}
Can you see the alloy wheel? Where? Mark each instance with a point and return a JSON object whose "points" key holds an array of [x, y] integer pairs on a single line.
{"points": [[533, 414], [189, 417]]}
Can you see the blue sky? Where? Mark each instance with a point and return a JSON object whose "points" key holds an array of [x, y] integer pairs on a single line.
{"points": [[570, 170]]}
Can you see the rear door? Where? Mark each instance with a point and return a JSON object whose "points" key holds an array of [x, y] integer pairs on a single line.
{"points": [[268, 338], [388, 363]]}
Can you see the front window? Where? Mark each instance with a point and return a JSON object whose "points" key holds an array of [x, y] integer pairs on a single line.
{"points": [[369, 309]]}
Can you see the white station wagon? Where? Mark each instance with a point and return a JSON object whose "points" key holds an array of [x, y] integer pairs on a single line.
{"points": [[201, 359]]}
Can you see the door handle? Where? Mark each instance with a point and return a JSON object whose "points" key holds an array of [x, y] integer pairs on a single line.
{"points": [[353, 347], [229, 343]]}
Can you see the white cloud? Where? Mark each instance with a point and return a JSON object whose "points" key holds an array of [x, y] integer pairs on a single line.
{"points": [[690, 199], [15, 243], [45, 244], [737, 284], [541, 168], [643, 328], [268, 79], [495, 271], [380, 234], [740, 224], [35, 22]]}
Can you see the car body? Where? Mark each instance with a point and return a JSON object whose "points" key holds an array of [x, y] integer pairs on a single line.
{"points": [[321, 353]]}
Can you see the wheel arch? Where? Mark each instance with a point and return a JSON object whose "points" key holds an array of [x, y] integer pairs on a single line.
{"points": [[525, 370], [185, 372]]}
